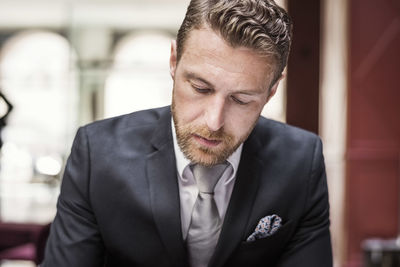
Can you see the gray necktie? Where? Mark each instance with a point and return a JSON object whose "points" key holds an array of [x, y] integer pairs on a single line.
{"points": [[205, 224]]}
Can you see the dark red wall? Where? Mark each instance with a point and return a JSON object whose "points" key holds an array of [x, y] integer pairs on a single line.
{"points": [[373, 137], [303, 67]]}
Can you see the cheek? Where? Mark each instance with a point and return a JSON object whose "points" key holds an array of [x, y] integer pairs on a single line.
{"points": [[186, 107], [243, 126], [183, 93], [241, 122]]}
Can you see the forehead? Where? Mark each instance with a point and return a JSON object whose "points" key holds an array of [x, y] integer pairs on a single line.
{"points": [[207, 52]]}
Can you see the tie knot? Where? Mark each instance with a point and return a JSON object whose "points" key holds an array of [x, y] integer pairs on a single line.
{"points": [[207, 177]]}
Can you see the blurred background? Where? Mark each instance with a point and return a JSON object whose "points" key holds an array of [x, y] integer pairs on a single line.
{"points": [[67, 63]]}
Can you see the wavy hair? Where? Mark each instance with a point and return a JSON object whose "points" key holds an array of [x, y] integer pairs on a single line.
{"points": [[260, 25]]}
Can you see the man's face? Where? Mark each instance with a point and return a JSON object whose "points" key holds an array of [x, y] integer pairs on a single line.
{"points": [[219, 93]]}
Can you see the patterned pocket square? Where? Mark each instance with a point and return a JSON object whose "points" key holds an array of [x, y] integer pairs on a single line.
{"points": [[266, 226]]}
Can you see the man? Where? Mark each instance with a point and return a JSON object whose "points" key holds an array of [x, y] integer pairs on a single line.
{"points": [[216, 184]]}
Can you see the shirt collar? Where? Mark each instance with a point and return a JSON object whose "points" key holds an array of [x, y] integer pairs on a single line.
{"points": [[182, 162]]}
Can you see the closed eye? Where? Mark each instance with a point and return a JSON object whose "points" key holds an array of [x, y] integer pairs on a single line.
{"points": [[238, 101], [202, 90]]}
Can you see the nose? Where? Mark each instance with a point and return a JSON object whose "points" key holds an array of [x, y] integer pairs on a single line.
{"points": [[215, 114]]}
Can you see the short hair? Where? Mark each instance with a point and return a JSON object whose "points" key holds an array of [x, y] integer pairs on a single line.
{"points": [[260, 25]]}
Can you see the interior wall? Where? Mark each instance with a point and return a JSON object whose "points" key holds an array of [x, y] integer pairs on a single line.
{"points": [[373, 135], [302, 100], [333, 113]]}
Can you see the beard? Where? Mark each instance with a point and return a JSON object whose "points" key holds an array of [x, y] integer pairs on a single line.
{"points": [[201, 154]]}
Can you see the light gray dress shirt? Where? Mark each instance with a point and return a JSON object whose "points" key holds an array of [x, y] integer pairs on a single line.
{"points": [[188, 189]]}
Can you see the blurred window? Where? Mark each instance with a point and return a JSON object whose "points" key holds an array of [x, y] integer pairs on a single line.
{"points": [[139, 78], [36, 77]]}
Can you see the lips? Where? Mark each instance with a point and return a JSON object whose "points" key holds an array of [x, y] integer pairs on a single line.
{"points": [[206, 142]]}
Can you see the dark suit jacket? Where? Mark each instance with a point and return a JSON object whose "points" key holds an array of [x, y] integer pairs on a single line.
{"points": [[119, 201]]}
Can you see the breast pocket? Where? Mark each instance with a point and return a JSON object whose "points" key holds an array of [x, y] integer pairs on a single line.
{"points": [[262, 252]]}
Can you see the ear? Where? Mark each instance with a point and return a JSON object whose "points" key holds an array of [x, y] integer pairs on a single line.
{"points": [[274, 87], [173, 59]]}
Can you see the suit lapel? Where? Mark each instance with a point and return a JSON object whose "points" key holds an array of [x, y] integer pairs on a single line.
{"points": [[240, 205], [164, 191]]}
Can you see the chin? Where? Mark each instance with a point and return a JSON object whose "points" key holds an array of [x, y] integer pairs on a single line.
{"points": [[206, 157]]}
